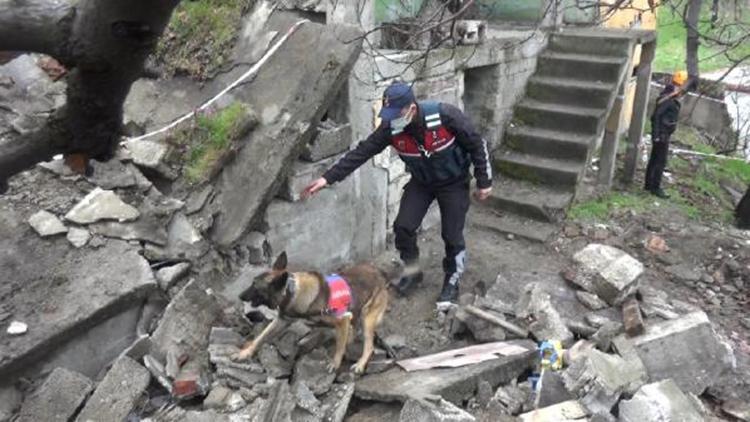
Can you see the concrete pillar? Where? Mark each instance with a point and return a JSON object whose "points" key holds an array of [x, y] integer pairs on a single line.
{"points": [[608, 154], [640, 103]]}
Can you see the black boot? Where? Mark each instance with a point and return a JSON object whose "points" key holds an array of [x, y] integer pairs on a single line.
{"points": [[412, 276], [659, 193], [449, 295]]}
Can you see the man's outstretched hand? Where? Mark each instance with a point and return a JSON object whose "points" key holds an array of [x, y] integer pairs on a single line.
{"points": [[482, 194], [314, 187]]}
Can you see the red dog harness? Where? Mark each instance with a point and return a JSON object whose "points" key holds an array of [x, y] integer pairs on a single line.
{"points": [[339, 295]]}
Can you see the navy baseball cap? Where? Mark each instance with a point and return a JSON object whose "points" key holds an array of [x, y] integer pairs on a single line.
{"points": [[397, 96]]}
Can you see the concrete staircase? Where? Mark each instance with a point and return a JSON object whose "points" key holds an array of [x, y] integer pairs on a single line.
{"points": [[554, 129]]}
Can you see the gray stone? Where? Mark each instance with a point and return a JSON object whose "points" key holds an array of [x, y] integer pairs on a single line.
{"points": [[737, 408], [599, 379], [454, 384], [288, 113], [185, 326], [197, 199], [111, 174], [157, 371], [257, 247], [101, 205], [482, 330], [78, 237], [46, 224], [433, 410], [484, 393], [146, 228], [553, 390], [308, 407], [613, 273], [59, 168], [683, 272], [217, 397], [150, 155], [329, 142], [184, 242], [597, 321], [277, 407], [396, 341], [10, 401], [168, 276], [591, 301], [244, 377], [660, 401], [535, 302], [568, 411], [273, 362], [336, 403], [118, 393], [312, 370], [288, 341], [301, 174], [606, 333], [57, 398], [511, 398], [686, 349]]}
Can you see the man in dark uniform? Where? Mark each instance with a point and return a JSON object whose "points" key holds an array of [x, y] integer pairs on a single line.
{"points": [[438, 143], [663, 124]]}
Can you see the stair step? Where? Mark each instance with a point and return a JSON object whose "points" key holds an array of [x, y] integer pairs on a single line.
{"points": [[540, 202], [601, 44], [551, 171], [581, 66], [561, 117], [486, 218], [547, 143], [570, 91]]}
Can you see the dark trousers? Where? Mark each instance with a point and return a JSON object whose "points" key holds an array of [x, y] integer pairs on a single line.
{"points": [[453, 201], [656, 163]]}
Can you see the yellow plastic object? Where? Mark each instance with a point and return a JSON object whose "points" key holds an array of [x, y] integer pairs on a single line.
{"points": [[551, 354], [680, 77]]}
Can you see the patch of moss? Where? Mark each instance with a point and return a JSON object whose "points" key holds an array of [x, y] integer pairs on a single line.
{"points": [[202, 146], [200, 35], [605, 206]]}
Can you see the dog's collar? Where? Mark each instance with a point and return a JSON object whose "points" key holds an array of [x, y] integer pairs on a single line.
{"points": [[291, 285]]}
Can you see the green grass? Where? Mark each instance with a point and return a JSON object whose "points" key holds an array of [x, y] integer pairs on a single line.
{"points": [[204, 144], [200, 35], [672, 39], [605, 206], [693, 139]]}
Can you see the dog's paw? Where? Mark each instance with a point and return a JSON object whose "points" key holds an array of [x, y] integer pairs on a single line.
{"points": [[332, 367], [359, 368]]}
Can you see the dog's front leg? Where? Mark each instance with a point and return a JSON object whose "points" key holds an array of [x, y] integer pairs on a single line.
{"points": [[343, 326], [248, 350]]}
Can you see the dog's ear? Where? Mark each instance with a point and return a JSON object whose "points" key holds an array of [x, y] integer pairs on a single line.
{"points": [[279, 282], [280, 263]]}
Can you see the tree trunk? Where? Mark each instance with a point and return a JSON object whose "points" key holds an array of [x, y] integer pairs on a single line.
{"points": [[692, 15], [106, 42]]}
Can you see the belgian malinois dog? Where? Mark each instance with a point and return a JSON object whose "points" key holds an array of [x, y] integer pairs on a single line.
{"points": [[356, 293]]}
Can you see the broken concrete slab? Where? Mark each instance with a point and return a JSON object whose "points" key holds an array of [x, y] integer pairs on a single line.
{"points": [[336, 402], [738, 409], [57, 398], [599, 379], [330, 141], [605, 334], [547, 324], [554, 390], [59, 168], [78, 237], [10, 400], [82, 335], [289, 114], [47, 224], [481, 329], [273, 362], [660, 401], [512, 397], [197, 199], [145, 228], [186, 324], [168, 276], [312, 370], [301, 174], [454, 384], [277, 407], [149, 155], [433, 409], [308, 406], [686, 349], [118, 393], [591, 300], [101, 205], [612, 272]]}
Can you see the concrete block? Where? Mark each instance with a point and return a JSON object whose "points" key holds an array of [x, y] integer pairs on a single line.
{"points": [[454, 384], [168, 276], [660, 401], [611, 273], [598, 379], [548, 324], [436, 410], [686, 349], [46, 224], [329, 142], [118, 393], [312, 370], [301, 175], [561, 412], [57, 398]]}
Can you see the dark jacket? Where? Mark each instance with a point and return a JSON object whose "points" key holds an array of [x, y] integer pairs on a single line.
{"points": [[467, 138], [666, 113]]}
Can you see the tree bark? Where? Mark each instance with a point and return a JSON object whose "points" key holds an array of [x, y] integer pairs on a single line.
{"points": [[107, 42], [742, 212], [692, 15]]}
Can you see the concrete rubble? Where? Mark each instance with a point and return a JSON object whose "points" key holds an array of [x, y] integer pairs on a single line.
{"points": [[118, 393], [47, 224], [428, 409], [686, 350], [57, 399], [660, 401], [101, 205], [607, 272], [546, 322]]}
